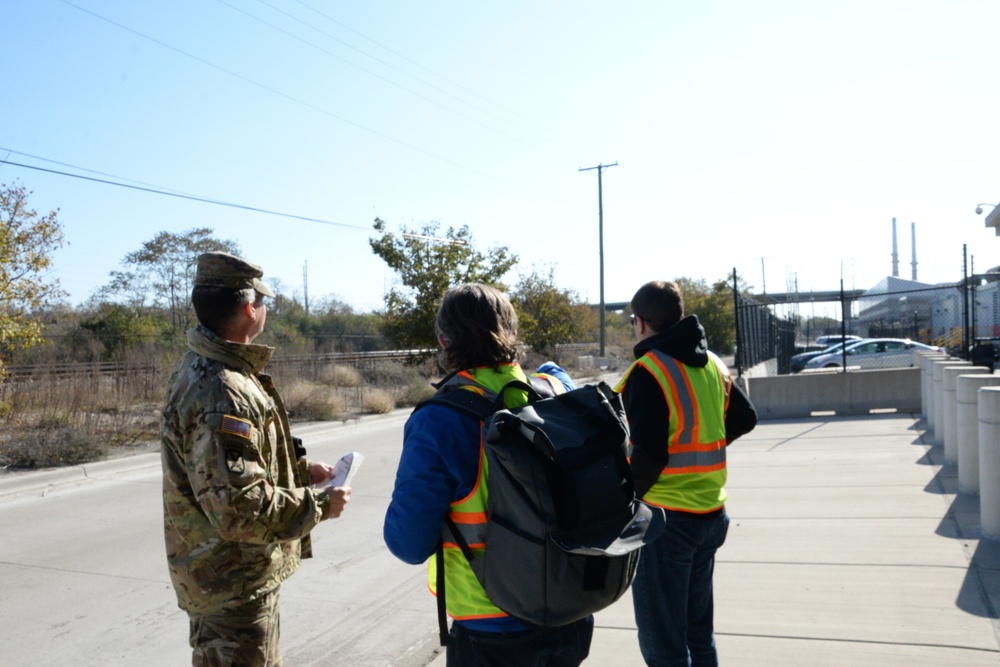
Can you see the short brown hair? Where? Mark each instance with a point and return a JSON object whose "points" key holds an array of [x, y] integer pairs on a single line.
{"points": [[479, 326], [659, 304]]}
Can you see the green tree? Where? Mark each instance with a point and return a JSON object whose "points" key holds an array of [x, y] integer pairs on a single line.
{"points": [[119, 328], [27, 241], [161, 272], [427, 263], [714, 307], [549, 315]]}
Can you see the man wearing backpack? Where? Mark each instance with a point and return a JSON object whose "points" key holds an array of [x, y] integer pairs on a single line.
{"points": [[441, 474], [683, 410]]}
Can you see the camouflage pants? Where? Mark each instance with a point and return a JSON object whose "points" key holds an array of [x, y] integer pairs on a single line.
{"points": [[242, 637]]}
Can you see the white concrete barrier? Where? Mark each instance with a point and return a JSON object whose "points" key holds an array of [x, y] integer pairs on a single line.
{"points": [[989, 461], [937, 393], [926, 383], [950, 407], [853, 393], [967, 418]]}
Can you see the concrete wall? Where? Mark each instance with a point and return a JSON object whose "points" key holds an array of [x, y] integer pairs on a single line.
{"points": [[853, 393]]}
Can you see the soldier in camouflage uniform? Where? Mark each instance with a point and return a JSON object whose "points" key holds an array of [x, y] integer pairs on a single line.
{"points": [[237, 502]]}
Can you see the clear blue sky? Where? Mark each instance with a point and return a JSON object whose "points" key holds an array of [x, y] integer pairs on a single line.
{"points": [[784, 130]]}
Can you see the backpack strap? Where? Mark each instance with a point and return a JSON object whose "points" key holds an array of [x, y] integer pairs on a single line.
{"points": [[441, 604], [467, 402]]}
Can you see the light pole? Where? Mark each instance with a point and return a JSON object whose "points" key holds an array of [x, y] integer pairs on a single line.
{"points": [[600, 240]]}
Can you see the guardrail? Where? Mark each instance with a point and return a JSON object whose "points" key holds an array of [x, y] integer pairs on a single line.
{"points": [[22, 372], [72, 369]]}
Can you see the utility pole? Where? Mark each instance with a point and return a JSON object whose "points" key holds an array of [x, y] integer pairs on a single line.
{"points": [[305, 284], [600, 239], [763, 279]]}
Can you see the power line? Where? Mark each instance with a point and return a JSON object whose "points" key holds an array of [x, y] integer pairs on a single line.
{"points": [[203, 200], [287, 96], [385, 64], [371, 73], [91, 171], [416, 64]]}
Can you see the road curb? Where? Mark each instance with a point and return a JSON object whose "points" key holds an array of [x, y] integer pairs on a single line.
{"points": [[14, 483], [30, 481]]}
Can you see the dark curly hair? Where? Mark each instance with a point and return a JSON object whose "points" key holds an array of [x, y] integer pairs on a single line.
{"points": [[479, 327]]}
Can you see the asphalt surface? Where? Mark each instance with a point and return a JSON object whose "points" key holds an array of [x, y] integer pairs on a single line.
{"points": [[849, 545]]}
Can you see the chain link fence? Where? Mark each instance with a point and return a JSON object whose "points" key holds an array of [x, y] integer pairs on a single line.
{"points": [[892, 322]]}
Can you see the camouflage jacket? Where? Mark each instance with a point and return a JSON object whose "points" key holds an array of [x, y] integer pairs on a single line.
{"points": [[236, 511]]}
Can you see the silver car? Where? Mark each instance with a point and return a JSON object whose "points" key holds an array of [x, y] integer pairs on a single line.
{"points": [[874, 353]]}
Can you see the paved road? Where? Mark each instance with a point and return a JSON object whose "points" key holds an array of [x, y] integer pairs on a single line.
{"points": [[83, 578]]}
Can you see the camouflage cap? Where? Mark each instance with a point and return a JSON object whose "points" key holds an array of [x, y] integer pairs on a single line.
{"points": [[220, 269]]}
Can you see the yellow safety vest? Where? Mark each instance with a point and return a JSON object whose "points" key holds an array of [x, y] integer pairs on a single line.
{"points": [[695, 475], [466, 599]]}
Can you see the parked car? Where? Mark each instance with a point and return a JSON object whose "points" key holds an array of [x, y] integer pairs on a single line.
{"points": [[827, 341], [798, 362], [874, 353]]}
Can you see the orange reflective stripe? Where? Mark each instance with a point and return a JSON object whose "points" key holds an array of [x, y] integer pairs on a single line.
{"points": [[471, 545], [468, 517], [680, 403], [698, 447], [695, 469], [696, 457], [727, 379]]}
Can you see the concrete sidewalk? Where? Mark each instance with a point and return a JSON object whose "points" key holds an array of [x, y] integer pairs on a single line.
{"points": [[848, 546]]}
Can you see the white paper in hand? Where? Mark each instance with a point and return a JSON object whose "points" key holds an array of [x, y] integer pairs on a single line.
{"points": [[344, 470]]}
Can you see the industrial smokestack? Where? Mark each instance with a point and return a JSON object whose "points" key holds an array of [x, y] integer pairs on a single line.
{"points": [[913, 236], [895, 252]]}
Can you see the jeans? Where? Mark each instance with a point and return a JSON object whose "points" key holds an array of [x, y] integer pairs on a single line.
{"points": [[558, 647], [672, 592]]}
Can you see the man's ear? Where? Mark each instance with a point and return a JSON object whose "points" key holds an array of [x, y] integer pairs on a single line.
{"points": [[250, 311], [643, 328], [442, 342]]}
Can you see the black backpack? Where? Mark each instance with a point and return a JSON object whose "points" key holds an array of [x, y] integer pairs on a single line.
{"points": [[564, 526]]}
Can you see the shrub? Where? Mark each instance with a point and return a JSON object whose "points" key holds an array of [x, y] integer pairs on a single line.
{"points": [[382, 373], [378, 402], [50, 446], [408, 383], [341, 376], [418, 389], [305, 400]]}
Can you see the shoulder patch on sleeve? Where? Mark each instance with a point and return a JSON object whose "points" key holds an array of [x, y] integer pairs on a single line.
{"points": [[236, 426], [235, 462]]}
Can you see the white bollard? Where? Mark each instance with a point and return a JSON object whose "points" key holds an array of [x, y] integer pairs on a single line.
{"points": [[938, 395], [967, 417], [926, 380], [950, 405], [989, 461]]}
